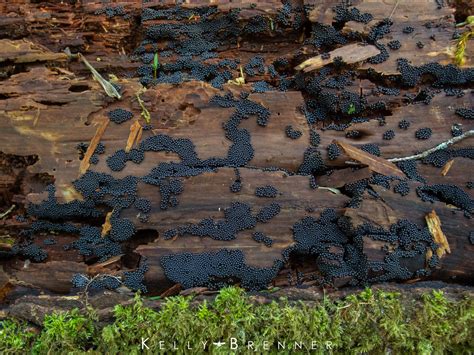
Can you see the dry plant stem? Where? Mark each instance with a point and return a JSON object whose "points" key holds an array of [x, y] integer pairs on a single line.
{"points": [[6, 213], [85, 293], [440, 146]]}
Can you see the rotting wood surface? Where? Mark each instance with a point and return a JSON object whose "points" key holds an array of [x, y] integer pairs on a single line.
{"points": [[49, 104]]}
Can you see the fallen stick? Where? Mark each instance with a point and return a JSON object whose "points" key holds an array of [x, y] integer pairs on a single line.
{"points": [[440, 146]]}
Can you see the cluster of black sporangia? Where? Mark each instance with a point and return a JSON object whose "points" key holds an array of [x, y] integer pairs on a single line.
{"points": [[411, 241], [466, 113], [315, 237], [30, 251], [447, 193], [441, 157], [402, 188], [371, 148], [314, 138], [134, 279], [386, 91], [82, 148], [49, 241], [333, 151], [236, 186], [110, 11], [312, 162], [345, 14], [449, 91], [312, 182], [91, 243], [268, 212], [404, 124], [442, 75], [52, 210], [120, 115], [423, 133], [395, 44], [255, 63], [210, 268], [237, 217], [389, 135], [266, 191], [79, 280], [102, 282], [410, 170], [261, 86], [292, 133], [260, 237]]}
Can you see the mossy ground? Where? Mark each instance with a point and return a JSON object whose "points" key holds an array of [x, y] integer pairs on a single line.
{"points": [[368, 322]]}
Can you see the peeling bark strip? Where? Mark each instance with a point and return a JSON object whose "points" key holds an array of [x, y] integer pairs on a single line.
{"points": [[374, 163], [49, 106], [350, 54]]}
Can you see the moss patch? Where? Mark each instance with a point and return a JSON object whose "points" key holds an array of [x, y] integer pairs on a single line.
{"points": [[370, 321]]}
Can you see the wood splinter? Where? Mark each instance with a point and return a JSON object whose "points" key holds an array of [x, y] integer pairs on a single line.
{"points": [[434, 226], [350, 54]]}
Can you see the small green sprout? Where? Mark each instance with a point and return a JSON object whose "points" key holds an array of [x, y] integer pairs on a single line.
{"points": [[351, 110], [272, 25], [469, 20], [156, 64]]}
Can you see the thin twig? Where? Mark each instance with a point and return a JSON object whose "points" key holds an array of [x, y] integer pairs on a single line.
{"points": [[6, 213], [332, 189], [85, 293], [440, 146], [394, 8]]}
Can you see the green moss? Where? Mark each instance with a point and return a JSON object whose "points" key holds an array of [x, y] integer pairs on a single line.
{"points": [[65, 333], [14, 337], [371, 322]]}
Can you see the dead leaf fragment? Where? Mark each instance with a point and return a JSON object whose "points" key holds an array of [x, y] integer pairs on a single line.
{"points": [[377, 164]]}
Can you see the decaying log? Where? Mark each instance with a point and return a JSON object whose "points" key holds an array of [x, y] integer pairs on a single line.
{"points": [[49, 104], [34, 308]]}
